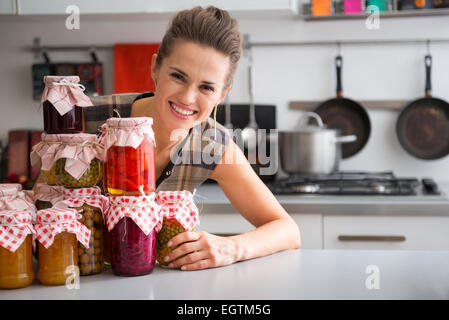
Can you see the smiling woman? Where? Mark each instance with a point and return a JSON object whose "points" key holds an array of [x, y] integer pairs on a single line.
{"points": [[193, 73]]}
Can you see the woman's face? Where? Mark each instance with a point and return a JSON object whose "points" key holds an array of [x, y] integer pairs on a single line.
{"points": [[189, 82]]}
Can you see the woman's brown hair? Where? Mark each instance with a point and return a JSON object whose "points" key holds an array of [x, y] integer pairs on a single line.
{"points": [[209, 26]]}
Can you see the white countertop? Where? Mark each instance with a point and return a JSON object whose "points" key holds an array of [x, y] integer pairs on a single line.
{"points": [[287, 275]]}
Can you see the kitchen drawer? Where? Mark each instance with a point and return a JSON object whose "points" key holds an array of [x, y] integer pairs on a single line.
{"points": [[310, 227], [386, 233]]}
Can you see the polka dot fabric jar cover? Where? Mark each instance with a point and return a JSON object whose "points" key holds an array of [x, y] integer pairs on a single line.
{"points": [[53, 221]]}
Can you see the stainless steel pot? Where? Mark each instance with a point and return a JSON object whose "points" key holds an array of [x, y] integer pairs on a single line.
{"points": [[311, 149]]}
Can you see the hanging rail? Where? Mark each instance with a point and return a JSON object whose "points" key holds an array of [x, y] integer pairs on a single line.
{"points": [[247, 44]]}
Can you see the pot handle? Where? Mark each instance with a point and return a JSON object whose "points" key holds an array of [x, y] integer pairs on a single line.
{"points": [[304, 120], [346, 139]]}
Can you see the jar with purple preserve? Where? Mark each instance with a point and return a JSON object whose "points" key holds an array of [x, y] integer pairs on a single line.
{"points": [[132, 221], [63, 99]]}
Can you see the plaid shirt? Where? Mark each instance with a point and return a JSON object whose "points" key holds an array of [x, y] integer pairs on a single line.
{"points": [[196, 156]]}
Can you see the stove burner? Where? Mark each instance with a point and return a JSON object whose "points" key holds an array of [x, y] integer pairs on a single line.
{"points": [[353, 183]]}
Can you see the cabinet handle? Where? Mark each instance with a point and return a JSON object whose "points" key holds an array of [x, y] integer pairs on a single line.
{"points": [[371, 238]]}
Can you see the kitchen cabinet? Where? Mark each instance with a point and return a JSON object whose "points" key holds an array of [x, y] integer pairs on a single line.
{"points": [[145, 6], [8, 7], [231, 223], [386, 233]]}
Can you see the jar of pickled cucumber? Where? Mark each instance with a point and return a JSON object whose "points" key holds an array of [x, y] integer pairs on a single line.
{"points": [[16, 265], [43, 152], [63, 99], [91, 176], [178, 214], [129, 166], [90, 204], [131, 221], [58, 233], [76, 159]]}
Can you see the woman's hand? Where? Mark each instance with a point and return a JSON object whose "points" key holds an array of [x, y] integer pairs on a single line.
{"points": [[201, 250]]}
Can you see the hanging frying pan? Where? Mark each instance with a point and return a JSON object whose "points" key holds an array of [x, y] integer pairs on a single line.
{"points": [[347, 115], [423, 125]]}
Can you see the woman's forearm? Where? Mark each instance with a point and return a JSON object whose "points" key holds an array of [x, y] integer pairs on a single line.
{"points": [[274, 236]]}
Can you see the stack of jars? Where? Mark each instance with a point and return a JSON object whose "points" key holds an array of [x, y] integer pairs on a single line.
{"points": [[16, 214], [129, 181], [71, 164]]}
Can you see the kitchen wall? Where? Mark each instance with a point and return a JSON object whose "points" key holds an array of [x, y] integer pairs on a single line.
{"points": [[282, 73]]}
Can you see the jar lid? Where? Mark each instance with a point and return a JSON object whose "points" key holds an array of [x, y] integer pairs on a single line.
{"points": [[45, 192], [10, 189], [12, 197], [178, 205], [129, 122], [77, 138], [15, 217], [126, 132], [56, 215], [46, 137], [15, 225], [53, 221], [49, 80]]}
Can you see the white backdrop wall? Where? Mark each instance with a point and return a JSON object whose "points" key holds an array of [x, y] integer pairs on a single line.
{"points": [[283, 74]]}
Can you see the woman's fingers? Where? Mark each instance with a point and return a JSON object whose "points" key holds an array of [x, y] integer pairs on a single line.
{"points": [[183, 249], [183, 237], [190, 258]]}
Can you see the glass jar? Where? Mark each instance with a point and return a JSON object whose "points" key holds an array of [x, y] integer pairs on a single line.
{"points": [[71, 122], [40, 205], [58, 233], [130, 163], [40, 152], [170, 228], [179, 214], [63, 99], [132, 222], [16, 268], [55, 261], [90, 260], [91, 177], [106, 246], [16, 259], [132, 252], [50, 176]]}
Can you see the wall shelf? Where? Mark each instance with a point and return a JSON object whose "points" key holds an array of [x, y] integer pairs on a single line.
{"points": [[391, 14], [394, 105]]}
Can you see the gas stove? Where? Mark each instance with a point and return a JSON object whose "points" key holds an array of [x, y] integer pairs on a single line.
{"points": [[355, 183]]}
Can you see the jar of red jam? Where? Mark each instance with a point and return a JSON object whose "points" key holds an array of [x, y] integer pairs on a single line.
{"points": [[129, 167], [131, 221], [63, 99]]}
